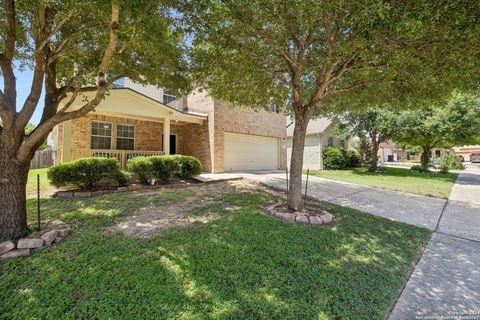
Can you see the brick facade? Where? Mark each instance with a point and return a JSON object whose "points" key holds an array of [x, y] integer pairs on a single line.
{"points": [[204, 141]]}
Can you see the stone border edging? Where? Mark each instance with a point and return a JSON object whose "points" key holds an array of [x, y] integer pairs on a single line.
{"points": [[24, 247], [299, 217]]}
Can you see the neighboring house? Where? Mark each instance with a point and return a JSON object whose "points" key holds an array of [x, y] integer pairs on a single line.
{"points": [[388, 152], [136, 120], [320, 134]]}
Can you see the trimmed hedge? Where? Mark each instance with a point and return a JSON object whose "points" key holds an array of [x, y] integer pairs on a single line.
{"points": [[339, 158], [142, 168], [188, 166], [85, 173], [164, 168]]}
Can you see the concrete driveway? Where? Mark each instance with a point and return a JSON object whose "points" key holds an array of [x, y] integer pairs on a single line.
{"points": [[446, 281], [413, 209]]}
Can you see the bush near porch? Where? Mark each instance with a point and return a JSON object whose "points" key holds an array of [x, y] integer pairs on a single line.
{"points": [[164, 167], [93, 173]]}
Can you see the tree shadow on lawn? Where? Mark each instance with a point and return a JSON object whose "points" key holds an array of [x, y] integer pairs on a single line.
{"points": [[248, 266], [101, 211]]}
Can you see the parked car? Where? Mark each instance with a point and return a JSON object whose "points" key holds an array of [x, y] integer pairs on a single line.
{"points": [[475, 158]]}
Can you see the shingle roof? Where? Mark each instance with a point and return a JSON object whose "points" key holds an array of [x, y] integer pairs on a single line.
{"points": [[318, 125]]}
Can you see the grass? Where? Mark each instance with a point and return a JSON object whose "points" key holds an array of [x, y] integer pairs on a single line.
{"points": [[243, 265], [429, 184], [32, 182]]}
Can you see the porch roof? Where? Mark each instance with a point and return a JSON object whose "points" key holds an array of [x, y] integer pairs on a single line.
{"points": [[126, 102]]}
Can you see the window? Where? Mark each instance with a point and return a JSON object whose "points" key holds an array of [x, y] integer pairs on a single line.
{"points": [[101, 135], [330, 141], [168, 96], [125, 136], [437, 153]]}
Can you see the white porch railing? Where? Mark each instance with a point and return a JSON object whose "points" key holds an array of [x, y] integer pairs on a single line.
{"points": [[122, 155]]}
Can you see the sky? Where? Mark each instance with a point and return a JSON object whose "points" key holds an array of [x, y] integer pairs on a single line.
{"points": [[24, 82]]}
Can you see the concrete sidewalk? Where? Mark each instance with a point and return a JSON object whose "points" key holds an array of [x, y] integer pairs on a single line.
{"points": [[446, 281]]}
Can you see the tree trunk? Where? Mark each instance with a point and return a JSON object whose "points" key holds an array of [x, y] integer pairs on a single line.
{"points": [[374, 156], [295, 201], [425, 158], [13, 211]]}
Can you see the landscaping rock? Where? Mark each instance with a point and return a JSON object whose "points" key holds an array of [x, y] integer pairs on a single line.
{"points": [[122, 189], [15, 253], [327, 217], [58, 240], [6, 246], [83, 194], [64, 194], [49, 237], [134, 187], [302, 219], [29, 243], [97, 193], [56, 223], [63, 232], [315, 220], [285, 216]]}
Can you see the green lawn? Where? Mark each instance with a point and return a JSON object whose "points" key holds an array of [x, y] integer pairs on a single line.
{"points": [[240, 265], [45, 186], [429, 184]]}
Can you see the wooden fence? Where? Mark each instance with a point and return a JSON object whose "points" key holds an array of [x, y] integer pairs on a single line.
{"points": [[43, 159]]}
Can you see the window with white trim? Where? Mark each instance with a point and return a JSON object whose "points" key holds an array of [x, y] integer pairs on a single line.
{"points": [[168, 96], [101, 135], [125, 136]]}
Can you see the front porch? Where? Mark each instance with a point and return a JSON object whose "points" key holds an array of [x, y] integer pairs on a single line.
{"points": [[129, 125]]}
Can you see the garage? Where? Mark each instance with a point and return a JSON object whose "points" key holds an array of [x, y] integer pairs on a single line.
{"points": [[249, 152]]}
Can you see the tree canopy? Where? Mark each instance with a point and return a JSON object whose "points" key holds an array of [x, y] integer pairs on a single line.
{"points": [[73, 47], [453, 122], [313, 56]]}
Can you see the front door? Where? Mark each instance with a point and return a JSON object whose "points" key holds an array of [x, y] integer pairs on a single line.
{"points": [[173, 144]]}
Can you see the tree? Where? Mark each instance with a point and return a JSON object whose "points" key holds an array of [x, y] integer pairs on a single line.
{"points": [[375, 125], [28, 129], [445, 124], [311, 56], [72, 47]]}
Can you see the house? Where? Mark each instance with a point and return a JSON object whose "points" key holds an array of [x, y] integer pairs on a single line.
{"points": [[320, 134], [135, 120]]}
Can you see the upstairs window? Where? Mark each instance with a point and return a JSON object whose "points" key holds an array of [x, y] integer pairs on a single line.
{"points": [[101, 135], [168, 96], [125, 136]]}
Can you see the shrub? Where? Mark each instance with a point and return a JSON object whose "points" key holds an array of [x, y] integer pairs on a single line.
{"points": [[163, 167], [417, 168], [84, 173], [450, 161], [353, 159], [142, 168], [339, 158], [188, 166]]}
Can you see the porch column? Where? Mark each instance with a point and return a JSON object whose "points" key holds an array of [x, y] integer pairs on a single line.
{"points": [[166, 135]]}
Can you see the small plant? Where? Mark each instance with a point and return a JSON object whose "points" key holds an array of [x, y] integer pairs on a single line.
{"points": [[163, 167], [142, 168], [85, 173], [449, 162], [417, 168], [188, 166]]}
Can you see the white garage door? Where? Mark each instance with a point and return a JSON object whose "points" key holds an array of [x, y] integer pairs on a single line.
{"points": [[248, 152]]}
